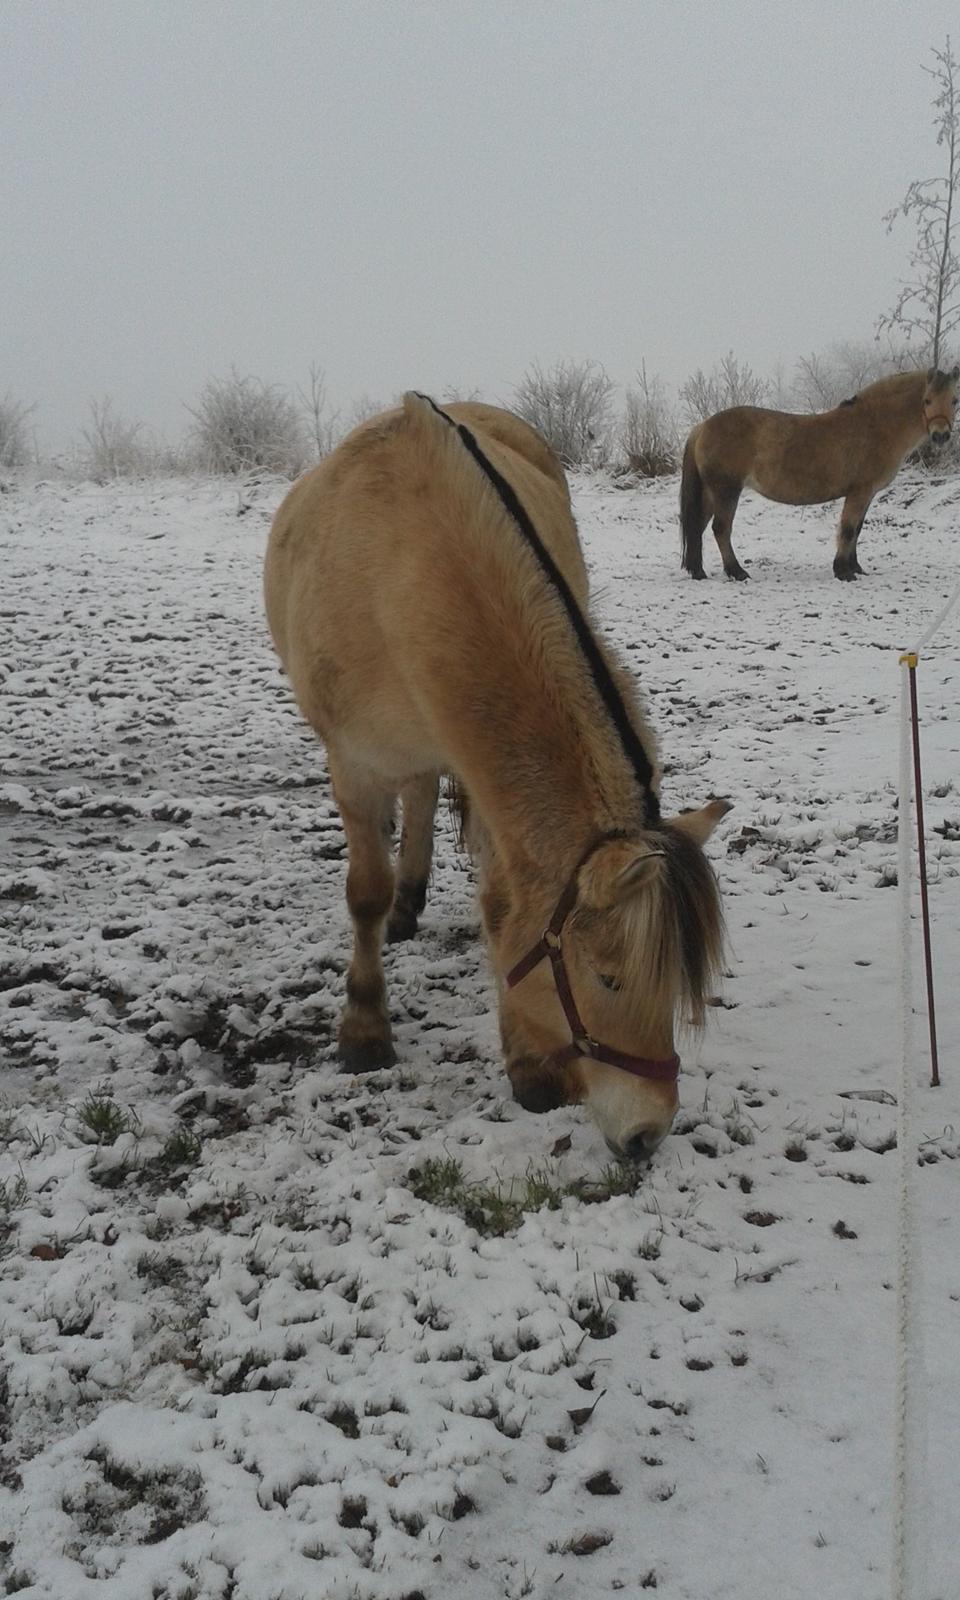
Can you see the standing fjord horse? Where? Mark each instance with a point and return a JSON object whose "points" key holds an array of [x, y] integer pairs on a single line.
{"points": [[851, 451], [426, 591]]}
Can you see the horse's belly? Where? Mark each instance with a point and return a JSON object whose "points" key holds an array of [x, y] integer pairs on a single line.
{"points": [[787, 490], [771, 487]]}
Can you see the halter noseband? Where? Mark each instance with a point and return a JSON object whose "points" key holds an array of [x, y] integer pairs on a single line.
{"points": [[942, 417], [550, 946], [939, 416]]}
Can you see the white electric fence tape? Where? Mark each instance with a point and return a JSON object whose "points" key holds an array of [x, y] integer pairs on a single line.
{"points": [[910, 1401], [909, 1549]]}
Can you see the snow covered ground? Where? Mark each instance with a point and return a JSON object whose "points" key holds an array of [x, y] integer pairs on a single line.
{"points": [[271, 1331]]}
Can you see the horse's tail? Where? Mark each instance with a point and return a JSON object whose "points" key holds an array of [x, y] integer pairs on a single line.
{"points": [[693, 513]]}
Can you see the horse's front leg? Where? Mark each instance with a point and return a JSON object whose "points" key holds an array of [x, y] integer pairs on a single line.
{"points": [[845, 563], [366, 808]]}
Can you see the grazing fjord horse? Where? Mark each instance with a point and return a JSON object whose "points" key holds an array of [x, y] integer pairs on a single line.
{"points": [[851, 451], [426, 592]]}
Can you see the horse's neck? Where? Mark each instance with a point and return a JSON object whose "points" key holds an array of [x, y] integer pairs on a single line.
{"points": [[904, 411], [545, 778], [522, 718]]}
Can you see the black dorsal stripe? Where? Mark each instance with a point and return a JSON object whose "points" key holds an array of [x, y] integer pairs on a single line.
{"points": [[600, 672]]}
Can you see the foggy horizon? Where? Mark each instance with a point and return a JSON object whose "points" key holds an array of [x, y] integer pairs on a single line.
{"points": [[438, 196]]}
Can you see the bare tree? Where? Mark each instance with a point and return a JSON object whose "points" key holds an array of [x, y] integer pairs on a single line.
{"points": [[571, 406], [13, 432], [731, 383], [815, 383], [324, 425], [779, 389], [826, 377], [928, 305], [454, 393], [648, 433], [115, 448], [364, 408]]}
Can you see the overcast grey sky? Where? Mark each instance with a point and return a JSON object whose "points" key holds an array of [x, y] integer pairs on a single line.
{"points": [[440, 192]]}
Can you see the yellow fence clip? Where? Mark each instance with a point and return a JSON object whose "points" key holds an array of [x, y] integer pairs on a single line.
{"points": [[909, 659]]}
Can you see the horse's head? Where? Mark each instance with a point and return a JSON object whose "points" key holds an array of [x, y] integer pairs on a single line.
{"points": [[588, 1009], [940, 403]]}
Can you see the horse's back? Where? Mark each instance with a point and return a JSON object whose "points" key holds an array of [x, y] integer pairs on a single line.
{"points": [[515, 435], [379, 494], [379, 554]]}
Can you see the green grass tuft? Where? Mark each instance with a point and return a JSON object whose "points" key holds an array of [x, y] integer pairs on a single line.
{"points": [[101, 1117], [500, 1208], [182, 1149]]}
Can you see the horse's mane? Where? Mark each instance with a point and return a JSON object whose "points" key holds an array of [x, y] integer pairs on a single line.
{"points": [[895, 384], [603, 679]]}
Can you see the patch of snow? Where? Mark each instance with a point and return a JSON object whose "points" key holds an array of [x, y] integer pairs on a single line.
{"points": [[241, 1357]]}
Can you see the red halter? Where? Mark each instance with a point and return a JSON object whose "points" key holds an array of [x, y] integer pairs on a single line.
{"points": [[550, 946]]}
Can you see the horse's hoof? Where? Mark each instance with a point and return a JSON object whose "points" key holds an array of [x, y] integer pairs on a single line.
{"points": [[737, 572], [408, 902], [366, 1055], [695, 572], [401, 925], [845, 574]]}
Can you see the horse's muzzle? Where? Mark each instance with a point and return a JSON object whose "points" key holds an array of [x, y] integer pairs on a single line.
{"points": [[638, 1148], [940, 435]]}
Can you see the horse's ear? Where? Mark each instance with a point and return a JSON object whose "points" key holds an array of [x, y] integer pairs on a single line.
{"points": [[700, 824]]}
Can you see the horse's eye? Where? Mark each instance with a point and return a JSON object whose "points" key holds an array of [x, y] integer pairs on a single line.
{"points": [[608, 981]]}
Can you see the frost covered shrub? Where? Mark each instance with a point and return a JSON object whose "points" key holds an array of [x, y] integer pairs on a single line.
{"points": [[113, 447], [729, 383], [825, 378], [648, 434], [571, 406], [13, 433], [243, 423]]}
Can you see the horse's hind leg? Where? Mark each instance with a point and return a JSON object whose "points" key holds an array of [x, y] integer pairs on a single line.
{"points": [[854, 509], [366, 808], [694, 516], [726, 498], [419, 800]]}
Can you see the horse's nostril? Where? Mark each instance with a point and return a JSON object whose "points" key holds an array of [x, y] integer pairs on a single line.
{"points": [[640, 1147]]}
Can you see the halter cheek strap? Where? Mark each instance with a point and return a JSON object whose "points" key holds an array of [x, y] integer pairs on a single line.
{"points": [[550, 947]]}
